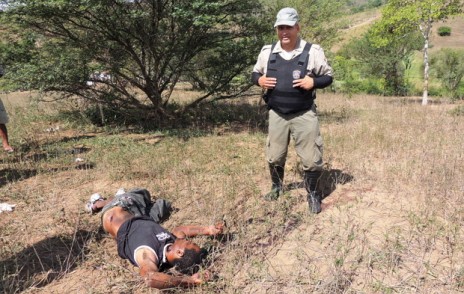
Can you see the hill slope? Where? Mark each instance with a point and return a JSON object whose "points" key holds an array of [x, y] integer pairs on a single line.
{"points": [[359, 23]]}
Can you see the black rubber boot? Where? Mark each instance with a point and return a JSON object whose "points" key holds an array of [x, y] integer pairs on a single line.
{"points": [[314, 201], [277, 178], [314, 197]]}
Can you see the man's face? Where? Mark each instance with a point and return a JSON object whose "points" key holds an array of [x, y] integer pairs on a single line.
{"points": [[186, 244], [288, 34], [187, 256]]}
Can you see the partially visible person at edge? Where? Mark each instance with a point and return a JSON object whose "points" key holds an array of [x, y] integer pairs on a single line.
{"points": [[3, 130], [3, 121], [290, 73], [132, 219]]}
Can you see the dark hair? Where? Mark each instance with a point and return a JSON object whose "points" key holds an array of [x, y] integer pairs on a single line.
{"points": [[189, 262]]}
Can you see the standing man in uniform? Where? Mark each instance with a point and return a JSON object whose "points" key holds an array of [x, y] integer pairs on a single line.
{"points": [[290, 71], [3, 130]]}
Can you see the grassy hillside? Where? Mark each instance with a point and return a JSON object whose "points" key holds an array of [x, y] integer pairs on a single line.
{"points": [[456, 40], [358, 24], [392, 219]]}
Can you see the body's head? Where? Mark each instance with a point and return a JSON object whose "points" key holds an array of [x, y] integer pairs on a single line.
{"points": [[287, 28], [184, 255]]}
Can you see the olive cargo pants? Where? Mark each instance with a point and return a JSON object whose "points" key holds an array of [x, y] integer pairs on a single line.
{"points": [[303, 127]]}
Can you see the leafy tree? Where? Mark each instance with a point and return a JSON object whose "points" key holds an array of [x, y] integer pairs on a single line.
{"points": [[402, 16], [448, 66], [319, 19], [144, 47], [382, 54], [348, 79]]}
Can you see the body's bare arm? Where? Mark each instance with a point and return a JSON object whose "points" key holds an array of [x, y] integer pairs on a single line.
{"points": [[193, 230]]}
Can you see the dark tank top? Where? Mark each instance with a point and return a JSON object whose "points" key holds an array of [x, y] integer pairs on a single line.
{"points": [[142, 231]]}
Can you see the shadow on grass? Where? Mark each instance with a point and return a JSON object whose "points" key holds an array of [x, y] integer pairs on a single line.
{"points": [[12, 175], [331, 178], [217, 118], [36, 155], [43, 262], [417, 100], [327, 183], [28, 153]]}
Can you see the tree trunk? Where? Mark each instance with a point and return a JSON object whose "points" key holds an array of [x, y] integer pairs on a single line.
{"points": [[425, 29], [426, 74]]}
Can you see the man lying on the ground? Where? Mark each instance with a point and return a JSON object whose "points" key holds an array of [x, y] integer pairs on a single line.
{"points": [[132, 219]]}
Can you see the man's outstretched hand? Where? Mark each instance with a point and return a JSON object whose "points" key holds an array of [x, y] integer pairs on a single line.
{"points": [[216, 229], [201, 277]]}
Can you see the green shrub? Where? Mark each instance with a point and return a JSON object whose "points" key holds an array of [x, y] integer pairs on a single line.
{"points": [[436, 91], [457, 111], [373, 86], [448, 65], [444, 31], [460, 92]]}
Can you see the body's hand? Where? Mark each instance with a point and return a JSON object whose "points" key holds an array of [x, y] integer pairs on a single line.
{"points": [[216, 229], [306, 83], [201, 277], [266, 82]]}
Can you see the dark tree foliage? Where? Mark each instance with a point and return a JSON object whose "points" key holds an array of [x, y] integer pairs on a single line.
{"points": [[320, 20], [130, 54]]}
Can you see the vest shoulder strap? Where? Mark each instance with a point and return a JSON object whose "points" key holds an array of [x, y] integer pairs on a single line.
{"points": [[304, 56], [272, 57]]}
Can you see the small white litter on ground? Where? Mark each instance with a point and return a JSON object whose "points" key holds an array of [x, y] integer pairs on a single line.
{"points": [[6, 207]]}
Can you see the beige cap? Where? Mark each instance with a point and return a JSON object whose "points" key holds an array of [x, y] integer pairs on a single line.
{"points": [[286, 17]]}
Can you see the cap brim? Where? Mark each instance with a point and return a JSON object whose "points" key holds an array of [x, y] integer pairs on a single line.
{"points": [[285, 23]]}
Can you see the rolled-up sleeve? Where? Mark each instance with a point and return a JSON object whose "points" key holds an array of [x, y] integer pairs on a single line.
{"points": [[263, 57], [260, 67]]}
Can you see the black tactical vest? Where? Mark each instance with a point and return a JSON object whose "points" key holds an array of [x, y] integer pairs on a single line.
{"points": [[284, 98]]}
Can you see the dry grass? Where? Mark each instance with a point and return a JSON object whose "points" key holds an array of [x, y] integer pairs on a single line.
{"points": [[392, 219]]}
